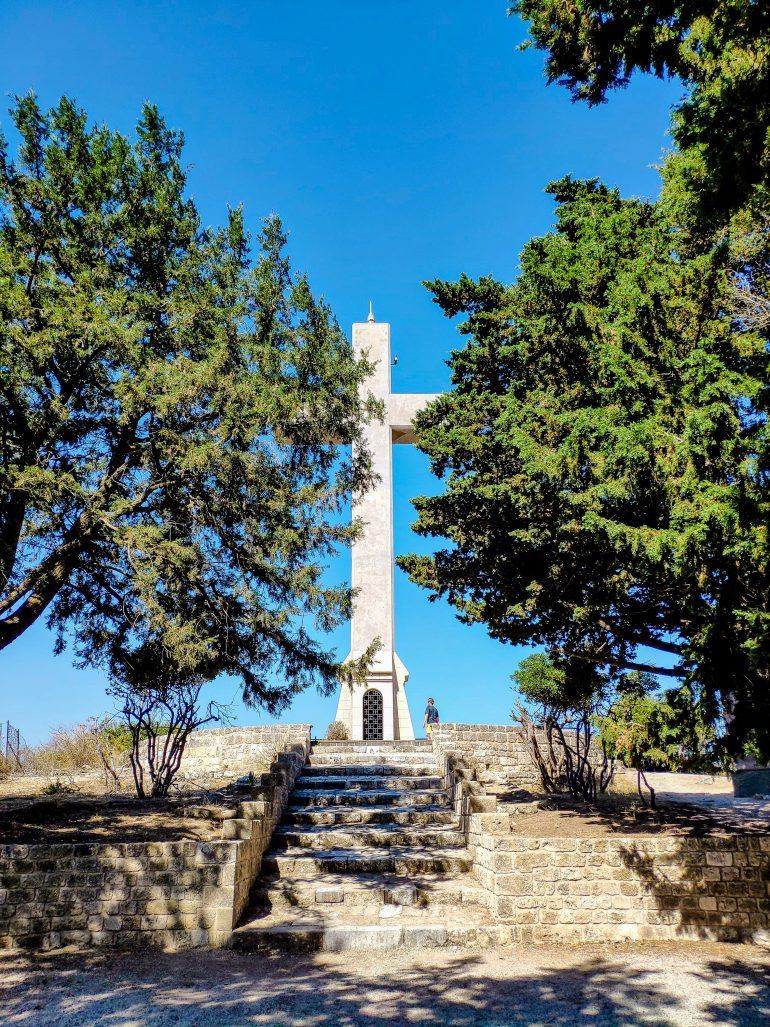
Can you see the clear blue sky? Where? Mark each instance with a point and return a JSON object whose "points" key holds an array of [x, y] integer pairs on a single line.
{"points": [[399, 141]]}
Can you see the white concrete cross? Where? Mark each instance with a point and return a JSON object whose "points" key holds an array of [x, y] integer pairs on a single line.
{"points": [[382, 697]]}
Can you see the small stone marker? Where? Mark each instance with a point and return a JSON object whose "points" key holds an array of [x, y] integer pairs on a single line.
{"points": [[329, 895], [403, 895]]}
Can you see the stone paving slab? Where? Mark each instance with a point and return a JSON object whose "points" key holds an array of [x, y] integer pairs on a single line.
{"points": [[366, 836], [427, 814], [409, 770], [368, 759], [415, 745], [364, 797], [399, 860], [372, 890], [369, 782], [337, 929]]}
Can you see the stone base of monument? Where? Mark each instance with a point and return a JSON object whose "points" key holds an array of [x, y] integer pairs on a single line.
{"points": [[368, 855], [751, 782]]}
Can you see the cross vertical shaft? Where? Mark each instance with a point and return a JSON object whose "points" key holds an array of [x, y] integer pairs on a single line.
{"points": [[372, 556]]}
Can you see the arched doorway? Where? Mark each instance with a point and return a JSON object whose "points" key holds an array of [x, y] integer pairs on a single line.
{"points": [[372, 714]]}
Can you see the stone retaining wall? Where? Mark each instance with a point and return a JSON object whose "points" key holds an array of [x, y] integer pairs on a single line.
{"points": [[173, 894], [468, 799], [497, 753], [228, 752], [627, 887]]}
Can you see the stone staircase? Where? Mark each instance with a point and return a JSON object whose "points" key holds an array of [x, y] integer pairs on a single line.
{"points": [[368, 855]]}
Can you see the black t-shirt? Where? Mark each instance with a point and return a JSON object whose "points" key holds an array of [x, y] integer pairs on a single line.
{"points": [[432, 714]]}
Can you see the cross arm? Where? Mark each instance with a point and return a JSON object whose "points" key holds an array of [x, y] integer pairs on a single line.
{"points": [[403, 407]]}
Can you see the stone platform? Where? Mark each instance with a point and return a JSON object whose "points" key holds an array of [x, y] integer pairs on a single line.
{"points": [[384, 845]]}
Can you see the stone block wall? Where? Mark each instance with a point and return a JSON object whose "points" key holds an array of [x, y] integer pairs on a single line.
{"points": [[626, 887], [496, 752], [172, 894], [259, 817], [228, 752], [468, 798]]}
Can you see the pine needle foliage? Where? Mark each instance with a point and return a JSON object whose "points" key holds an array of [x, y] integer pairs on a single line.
{"points": [[718, 49], [605, 457], [173, 399]]}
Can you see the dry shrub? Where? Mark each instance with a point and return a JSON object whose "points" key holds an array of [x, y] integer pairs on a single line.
{"points": [[160, 718], [77, 749], [337, 732], [69, 750]]}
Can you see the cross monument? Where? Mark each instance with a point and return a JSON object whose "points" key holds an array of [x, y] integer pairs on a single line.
{"points": [[377, 708]]}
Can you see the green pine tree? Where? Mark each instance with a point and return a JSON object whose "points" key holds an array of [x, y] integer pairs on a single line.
{"points": [[605, 458], [718, 49], [172, 402]]}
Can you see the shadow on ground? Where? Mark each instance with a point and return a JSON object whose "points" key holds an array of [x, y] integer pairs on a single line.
{"points": [[110, 819], [655, 985]]}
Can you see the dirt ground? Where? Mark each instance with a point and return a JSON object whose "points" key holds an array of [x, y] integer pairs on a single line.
{"points": [[560, 816], [686, 804], [115, 818], [30, 785], [607, 986]]}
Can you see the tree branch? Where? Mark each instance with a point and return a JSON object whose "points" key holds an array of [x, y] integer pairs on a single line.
{"points": [[610, 661]]}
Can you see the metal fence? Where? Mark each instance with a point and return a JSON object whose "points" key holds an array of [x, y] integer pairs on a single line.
{"points": [[12, 744]]}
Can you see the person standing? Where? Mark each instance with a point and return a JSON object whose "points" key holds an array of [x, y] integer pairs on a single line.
{"points": [[431, 718]]}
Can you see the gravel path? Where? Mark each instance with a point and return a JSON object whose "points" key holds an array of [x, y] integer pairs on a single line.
{"points": [[691, 985]]}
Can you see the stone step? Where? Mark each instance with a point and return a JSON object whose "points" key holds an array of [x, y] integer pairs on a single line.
{"points": [[314, 932], [367, 782], [418, 745], [370, 770], [365, 797], [366, 836], [342, 815], [367, 891], [406, 759], [299, 862]]}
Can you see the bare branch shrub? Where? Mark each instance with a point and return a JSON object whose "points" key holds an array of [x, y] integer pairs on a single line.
{"points": [[539, 739], [113, 748], [555, 717], [160, 720]]}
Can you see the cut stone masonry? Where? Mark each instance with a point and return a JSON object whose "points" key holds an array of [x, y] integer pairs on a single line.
{"points": [[172, 894]]}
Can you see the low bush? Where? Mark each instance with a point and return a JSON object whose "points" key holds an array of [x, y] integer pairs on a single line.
{"points": [[337, 732], [160, 717], [59, 787], [559, 702]]}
